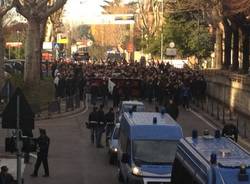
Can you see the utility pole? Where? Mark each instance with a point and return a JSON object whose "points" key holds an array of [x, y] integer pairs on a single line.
{"points": [[19, 152]]}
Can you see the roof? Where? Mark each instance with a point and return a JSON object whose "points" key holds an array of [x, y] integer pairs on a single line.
{"points": [[229, 154], [140, 126], [134, 102]]}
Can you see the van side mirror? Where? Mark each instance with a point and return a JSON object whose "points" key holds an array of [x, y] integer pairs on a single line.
{"points": [[125, 158]]}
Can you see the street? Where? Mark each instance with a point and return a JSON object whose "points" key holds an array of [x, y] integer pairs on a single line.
{"points": [[72, 157]]}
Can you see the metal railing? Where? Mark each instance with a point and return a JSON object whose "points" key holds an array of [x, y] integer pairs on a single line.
{"points": [[223, 114]]}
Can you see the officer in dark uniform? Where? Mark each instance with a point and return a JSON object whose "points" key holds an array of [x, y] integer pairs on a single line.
{"points": [[100, 126], [93, 119], [231, 131], [43, 143], [110, 119]]}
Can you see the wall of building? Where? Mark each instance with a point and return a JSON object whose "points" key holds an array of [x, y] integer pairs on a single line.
{"points": [[231, 89]]}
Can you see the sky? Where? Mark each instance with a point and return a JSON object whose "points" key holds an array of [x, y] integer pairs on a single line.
{"points": [[83, 9]]}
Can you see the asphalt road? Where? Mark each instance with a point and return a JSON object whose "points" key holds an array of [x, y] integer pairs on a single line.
{"points": [[74, 160]]}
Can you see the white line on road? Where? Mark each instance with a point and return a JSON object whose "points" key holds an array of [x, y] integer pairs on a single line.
{"points": [[203, 119]]}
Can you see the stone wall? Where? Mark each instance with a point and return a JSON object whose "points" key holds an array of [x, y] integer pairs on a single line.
{"points": [[231, 89]]}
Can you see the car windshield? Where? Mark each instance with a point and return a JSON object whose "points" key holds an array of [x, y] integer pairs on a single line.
{"points": [[116, 133], [154, 152]]}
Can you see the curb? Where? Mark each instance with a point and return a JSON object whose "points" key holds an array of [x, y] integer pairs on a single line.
{"points": [[62, 115]]}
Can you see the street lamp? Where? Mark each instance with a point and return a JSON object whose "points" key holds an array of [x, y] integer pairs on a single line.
{"points": [[18, 40]]}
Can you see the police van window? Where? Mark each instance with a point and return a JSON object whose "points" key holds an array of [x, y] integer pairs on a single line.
{"points": [[181, 175], [154, 152]]}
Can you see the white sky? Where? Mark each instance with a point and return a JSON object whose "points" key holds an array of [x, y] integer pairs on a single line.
{"points": [[83, 9]]}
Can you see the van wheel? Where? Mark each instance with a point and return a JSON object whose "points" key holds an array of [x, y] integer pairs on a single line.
{"points": [[120, 178]]}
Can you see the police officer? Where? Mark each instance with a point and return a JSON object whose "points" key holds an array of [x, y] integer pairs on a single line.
{"points": [[5, 177], [43, 143], [100, 126], [109, 119], [93, 119]]}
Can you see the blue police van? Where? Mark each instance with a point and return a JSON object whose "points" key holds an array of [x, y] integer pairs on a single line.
{"points": [[146, 147], [210, 160]]}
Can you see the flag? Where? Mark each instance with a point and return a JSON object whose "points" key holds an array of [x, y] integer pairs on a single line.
{"points": [[111, 86]]}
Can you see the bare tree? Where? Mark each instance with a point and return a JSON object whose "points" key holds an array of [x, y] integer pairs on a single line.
{"points": [[36, 12], [149, 17], [5, 6]]}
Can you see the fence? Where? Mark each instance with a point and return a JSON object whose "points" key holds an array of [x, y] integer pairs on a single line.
{"points": [[223, 114]]}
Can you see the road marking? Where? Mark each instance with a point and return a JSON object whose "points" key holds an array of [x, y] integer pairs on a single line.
{"points": [[203, 119]]}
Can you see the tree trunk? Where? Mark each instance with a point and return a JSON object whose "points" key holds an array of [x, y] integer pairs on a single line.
{"points": [[1, 54], [227, 43], [42, 37], [235, 50], [32, 64], [246, 43], [218, 51]]}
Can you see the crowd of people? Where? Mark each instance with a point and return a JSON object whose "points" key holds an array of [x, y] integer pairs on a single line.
{"points": [[155, 81]]}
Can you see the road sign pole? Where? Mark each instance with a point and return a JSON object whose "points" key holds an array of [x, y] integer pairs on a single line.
{"points": [[19, 177], [9, 52]]}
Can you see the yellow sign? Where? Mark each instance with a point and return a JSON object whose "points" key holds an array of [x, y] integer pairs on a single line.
{"points": [[62, 41]]}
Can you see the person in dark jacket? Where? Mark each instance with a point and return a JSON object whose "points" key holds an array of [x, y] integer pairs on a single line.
{"points": [[172, 109], [116, 96], [27, 144], [110, 119], [93, 119], [5, 177], [100, 126], [43, 143]]}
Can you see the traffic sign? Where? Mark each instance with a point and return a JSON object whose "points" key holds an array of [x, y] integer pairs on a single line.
{"points": [[26, 115], [130, 47], [14, 44], [171, 52]]}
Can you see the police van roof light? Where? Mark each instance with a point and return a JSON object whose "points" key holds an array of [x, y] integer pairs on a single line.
{"points": [[217, 134], [213, 158], [162, 111], [194, 134], [155, 120], [243, 173]]}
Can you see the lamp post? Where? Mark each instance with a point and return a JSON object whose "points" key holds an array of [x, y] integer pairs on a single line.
{"points": [[18, 40]]}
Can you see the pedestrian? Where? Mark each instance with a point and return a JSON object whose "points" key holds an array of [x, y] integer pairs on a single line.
{"points": [[93, 119], [186, 96], [172, 109], [110, 120], [43, 143], [5, 177], [27, 144], [100, 126]]}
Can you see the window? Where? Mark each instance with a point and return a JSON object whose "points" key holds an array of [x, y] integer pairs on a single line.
{"points": [[154, 152]]}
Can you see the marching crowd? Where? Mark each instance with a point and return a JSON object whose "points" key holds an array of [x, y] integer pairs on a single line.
{"points": [[158, 81]]}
